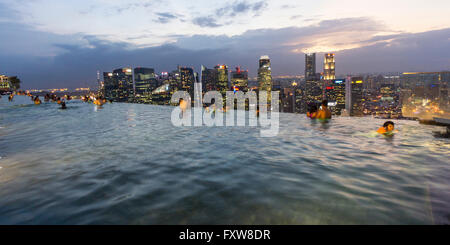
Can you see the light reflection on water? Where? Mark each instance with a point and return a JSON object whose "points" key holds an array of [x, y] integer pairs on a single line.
{"points": [[127, 164]]}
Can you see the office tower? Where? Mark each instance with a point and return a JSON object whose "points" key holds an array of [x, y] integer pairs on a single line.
{"points": [[265, 76], [335, 94], [110, 86], [187, 79], [207, 79], [287, 100], [221, 79], [174, 81], [123, 79], [329, 72], [310, 66], [162, 94], [239, 79], [313, 92], [354, 96], [5, 85], [145, 82], [339, 93]]}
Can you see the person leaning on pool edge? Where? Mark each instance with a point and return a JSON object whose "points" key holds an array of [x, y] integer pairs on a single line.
{"points": [[324, 113]]}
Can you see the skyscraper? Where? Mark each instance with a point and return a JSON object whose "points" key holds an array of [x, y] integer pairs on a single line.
{"points": [[239, 79], [221, 79], [187, 79], [354, 96], [5, 85], [265, 76], [310, 66], [313, 92], [329, 72], [145, 82], [207, 79], [110, 86], [335, 94], [123, 77]]}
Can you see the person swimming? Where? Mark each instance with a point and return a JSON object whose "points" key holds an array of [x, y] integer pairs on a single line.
{"points": [[324, 113], [98, 101], [387, 129], [312, 112], [183, 105], [37, 101], [63, 105]]}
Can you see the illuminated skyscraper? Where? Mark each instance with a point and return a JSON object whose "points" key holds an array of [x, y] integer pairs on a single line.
{"points": [[207, 79], [123, 77], [145, 82], [239, 79], [354, 96], [329, 72], [310, 66], [221, 79], [110, 85], [335, 94], [174, 81], [187, 79], [265, 76]]}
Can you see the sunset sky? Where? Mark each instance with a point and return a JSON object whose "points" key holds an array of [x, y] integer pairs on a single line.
{"points": [[50, 43]]}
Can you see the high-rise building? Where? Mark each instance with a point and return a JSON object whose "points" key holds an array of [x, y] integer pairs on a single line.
{"points": [[287, 100], [310, 66], [239, 79], [145, 82], [354, 96], [265, 76], [187, 79], [162, 94], [313, 92], [174, 81], [5, 85], [123, 77], [335, 94], [329, 72], [110, 86], [207, 79], [221, 79]]}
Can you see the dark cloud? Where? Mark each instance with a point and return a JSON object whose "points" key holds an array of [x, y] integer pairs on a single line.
{"points": [[259, 6], [205, 22], [230, 10], [77, 58], [237, 8], [165, 17]]}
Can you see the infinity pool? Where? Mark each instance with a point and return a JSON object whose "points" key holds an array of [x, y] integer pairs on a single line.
{"points": [[127, 164]]}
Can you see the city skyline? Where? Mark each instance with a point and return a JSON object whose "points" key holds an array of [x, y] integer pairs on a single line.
{"points": [[66, 52]]}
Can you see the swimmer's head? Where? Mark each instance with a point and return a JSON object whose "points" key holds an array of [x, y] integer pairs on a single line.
{"points": [[325, 103], [389, 125], [312, 108]]}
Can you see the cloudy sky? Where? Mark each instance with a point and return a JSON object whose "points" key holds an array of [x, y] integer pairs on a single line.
{"points": [[62, 43]]}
